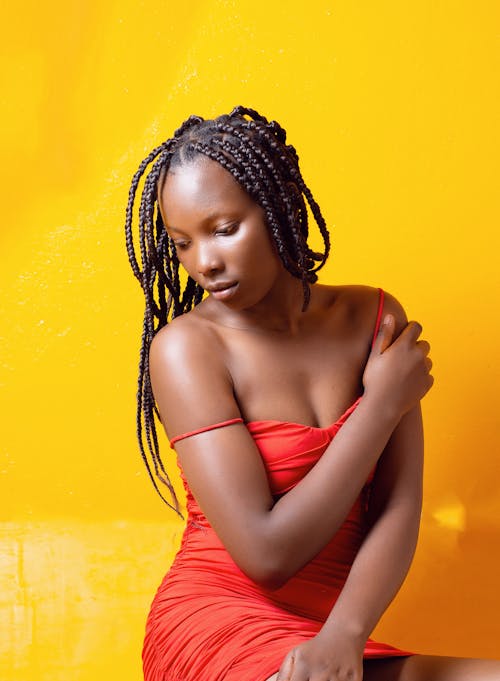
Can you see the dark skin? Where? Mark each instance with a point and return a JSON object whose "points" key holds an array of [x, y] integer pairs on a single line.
{"points": [[263, 358]]}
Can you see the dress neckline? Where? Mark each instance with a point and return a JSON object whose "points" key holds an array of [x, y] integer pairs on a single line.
{"points": [[340, 419]]}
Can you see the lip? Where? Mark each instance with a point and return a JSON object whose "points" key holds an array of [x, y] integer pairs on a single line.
{"points": [[220, 286], [224, 293]]}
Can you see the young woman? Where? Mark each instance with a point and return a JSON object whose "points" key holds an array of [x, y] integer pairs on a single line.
{"points": [[294, 409]]}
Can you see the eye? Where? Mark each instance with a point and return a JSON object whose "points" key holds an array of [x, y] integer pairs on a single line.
{"points": [[228, 229], [178, 245]]}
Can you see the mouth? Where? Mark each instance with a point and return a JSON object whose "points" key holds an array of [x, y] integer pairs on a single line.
{"points": [[224, 293]]}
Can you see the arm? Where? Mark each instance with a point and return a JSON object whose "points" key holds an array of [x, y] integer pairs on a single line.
{"points": [[268, 541], [387, 551], [380, 565]]}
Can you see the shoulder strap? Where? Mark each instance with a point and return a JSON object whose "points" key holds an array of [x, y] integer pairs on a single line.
{"points": [[379, 314], [202, 430]]}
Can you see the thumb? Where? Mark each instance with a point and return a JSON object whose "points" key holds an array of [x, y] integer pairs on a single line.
{"points": [[385, 334], [286, 668]]}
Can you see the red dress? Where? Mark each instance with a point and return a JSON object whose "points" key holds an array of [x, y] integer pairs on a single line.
{"points": [[209, 621]]}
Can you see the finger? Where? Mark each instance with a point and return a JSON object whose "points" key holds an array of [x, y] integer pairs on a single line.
{"points": [[286, 669], [425, 346], [301, 671], [411, 331], [384, 336], [428, 363]]}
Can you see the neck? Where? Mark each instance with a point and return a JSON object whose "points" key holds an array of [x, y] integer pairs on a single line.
{"points": [[279, 311]]}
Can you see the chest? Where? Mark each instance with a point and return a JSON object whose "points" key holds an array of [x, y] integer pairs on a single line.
{"points": [[309, 379]]}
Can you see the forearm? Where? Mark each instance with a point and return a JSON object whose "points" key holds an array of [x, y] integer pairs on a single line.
{"points": [[377, 573], [303, 521], [393, 519]]}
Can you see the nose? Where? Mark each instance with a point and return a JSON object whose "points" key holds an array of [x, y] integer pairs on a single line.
{"points": [[208, 259]]}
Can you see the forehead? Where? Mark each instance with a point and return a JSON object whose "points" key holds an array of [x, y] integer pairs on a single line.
{"points": [[198, 188]]}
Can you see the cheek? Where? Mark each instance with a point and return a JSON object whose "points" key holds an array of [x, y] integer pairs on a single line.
{"points": [[263, 258], [267, 248]]}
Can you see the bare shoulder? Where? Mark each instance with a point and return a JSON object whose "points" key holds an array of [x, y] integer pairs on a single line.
{"points": [[359, 305], [187, 369], [184, 338]]}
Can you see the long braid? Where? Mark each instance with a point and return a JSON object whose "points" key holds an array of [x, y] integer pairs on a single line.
{"points": [[284, 192], [255, 152]]}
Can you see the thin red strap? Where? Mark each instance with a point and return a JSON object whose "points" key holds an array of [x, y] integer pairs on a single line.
{"points": [[379, 314], [202, 430]]}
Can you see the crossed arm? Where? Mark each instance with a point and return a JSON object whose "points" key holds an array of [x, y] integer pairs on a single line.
{"points": [[281, 537], [388, 548], [379, 567]]}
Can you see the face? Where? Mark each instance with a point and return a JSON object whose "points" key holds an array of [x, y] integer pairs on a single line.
{"points": [[219, 233]]}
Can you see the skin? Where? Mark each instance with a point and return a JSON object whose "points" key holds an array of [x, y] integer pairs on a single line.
{"points": [[265, 359]]}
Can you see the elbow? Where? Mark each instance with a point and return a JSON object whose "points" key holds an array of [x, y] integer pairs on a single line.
{"points": [[268, 558], [270, 573]]}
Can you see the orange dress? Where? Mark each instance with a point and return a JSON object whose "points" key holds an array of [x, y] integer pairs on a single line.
{"points": [[209, 621]]}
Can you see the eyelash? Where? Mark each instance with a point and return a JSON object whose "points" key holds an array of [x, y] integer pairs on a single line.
{"points": [[229, 230]]}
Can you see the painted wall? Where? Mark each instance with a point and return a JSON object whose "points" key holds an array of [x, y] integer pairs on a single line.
{"points": [[392, 108]]}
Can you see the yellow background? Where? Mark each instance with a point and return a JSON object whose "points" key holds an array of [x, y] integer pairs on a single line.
{"points": [[391, 106]]}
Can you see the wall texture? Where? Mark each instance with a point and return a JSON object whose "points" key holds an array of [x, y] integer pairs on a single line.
{"points": [[392, 108]]}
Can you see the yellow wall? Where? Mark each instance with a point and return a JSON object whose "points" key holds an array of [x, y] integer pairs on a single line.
{"points": [[392, 108]]}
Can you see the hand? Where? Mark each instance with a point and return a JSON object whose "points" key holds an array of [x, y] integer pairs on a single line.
{"points": [[397, 372], [337, 658]]}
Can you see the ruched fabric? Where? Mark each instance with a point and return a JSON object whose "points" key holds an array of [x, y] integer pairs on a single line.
{"points": [[210, 622]]}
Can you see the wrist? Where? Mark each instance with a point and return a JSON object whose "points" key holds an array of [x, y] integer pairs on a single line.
{"points": [[385, 409], [351, 629]]}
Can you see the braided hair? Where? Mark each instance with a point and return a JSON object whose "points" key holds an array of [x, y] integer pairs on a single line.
{"points": [[255, 152]]}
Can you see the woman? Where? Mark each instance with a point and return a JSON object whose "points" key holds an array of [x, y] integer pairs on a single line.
{"points": [[294, 411]]}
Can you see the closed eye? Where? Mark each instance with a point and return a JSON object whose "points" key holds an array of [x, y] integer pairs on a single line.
{"points": [[228, 230]]}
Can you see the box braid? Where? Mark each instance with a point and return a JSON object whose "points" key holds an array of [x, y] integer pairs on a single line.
{"points": [[255, 152]]}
